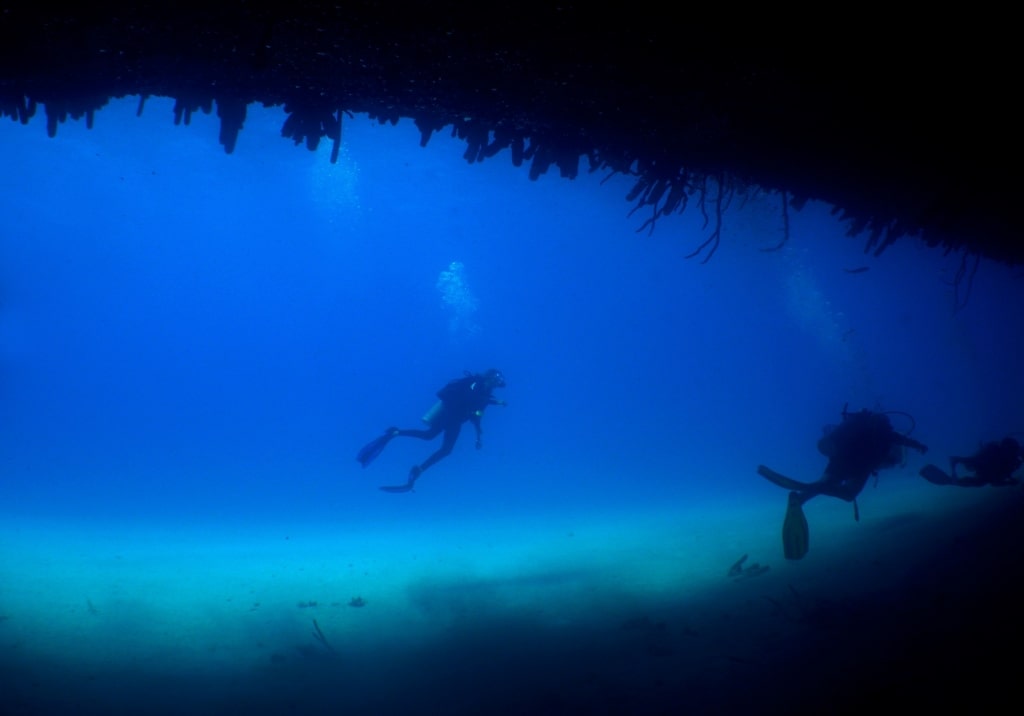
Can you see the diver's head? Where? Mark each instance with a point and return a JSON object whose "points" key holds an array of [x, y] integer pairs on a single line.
{"points": [[494, 379]]}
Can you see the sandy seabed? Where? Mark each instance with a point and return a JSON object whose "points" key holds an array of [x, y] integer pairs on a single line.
{"points": [[618, 613]]}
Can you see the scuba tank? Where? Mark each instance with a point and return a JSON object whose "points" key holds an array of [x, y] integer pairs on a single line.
{"points": [[453, 390], [430, 415]]}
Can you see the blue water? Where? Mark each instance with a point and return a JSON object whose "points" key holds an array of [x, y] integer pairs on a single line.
{"points": [[194, 345]]}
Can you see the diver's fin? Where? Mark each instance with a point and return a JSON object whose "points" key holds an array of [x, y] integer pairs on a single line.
{"points": [[795, 534], [936, 476], [375, 447], [414, 474], [781, 480]]}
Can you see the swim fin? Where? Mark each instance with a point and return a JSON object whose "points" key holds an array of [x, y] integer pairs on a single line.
{"points": [[782, 481], [795, 533], [414, 474], [375, 447], [936, 476]]}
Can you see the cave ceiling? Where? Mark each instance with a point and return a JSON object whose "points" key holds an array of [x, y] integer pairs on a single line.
{"points": [[905, 131]]}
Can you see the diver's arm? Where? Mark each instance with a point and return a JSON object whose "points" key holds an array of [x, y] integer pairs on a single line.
{"points": [[475, 419]]}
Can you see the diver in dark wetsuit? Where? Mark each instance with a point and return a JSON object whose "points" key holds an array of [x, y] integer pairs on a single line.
{"points": [[461, 400], [993, 464], [858, 448], [864, 443]]}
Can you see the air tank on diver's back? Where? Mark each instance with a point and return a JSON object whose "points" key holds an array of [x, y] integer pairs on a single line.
{"points": [[430, 415]]}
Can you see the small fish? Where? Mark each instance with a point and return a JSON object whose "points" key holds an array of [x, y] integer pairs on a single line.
{"points": [[859, 269]]}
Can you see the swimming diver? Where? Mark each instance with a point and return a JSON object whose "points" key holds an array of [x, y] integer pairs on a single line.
{"points": [[461, 399], [993, 464], [864, 443]]}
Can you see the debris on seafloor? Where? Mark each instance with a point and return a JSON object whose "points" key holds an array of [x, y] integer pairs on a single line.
{"points": [[319, 636], [737, 571]]}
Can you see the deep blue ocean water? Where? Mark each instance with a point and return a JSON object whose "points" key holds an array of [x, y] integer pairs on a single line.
{"points": [[194, 345]]}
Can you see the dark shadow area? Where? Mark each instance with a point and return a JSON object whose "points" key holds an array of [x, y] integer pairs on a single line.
{"points": [[901, 131]]}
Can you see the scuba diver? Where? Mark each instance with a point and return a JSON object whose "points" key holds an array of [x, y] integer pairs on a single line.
{"points": [[459, 400], [864, 443], [993, 464]]}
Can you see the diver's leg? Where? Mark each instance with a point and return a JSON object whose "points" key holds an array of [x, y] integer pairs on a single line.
{"points": [[934, 475], [800, 497], [970, 463], [451, 434], [781, 480], [849, 489], [953, 462], [837, 481], [429, 434]]}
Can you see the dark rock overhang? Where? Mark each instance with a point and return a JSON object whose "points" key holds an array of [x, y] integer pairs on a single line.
{"points": [[905, 130]]}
